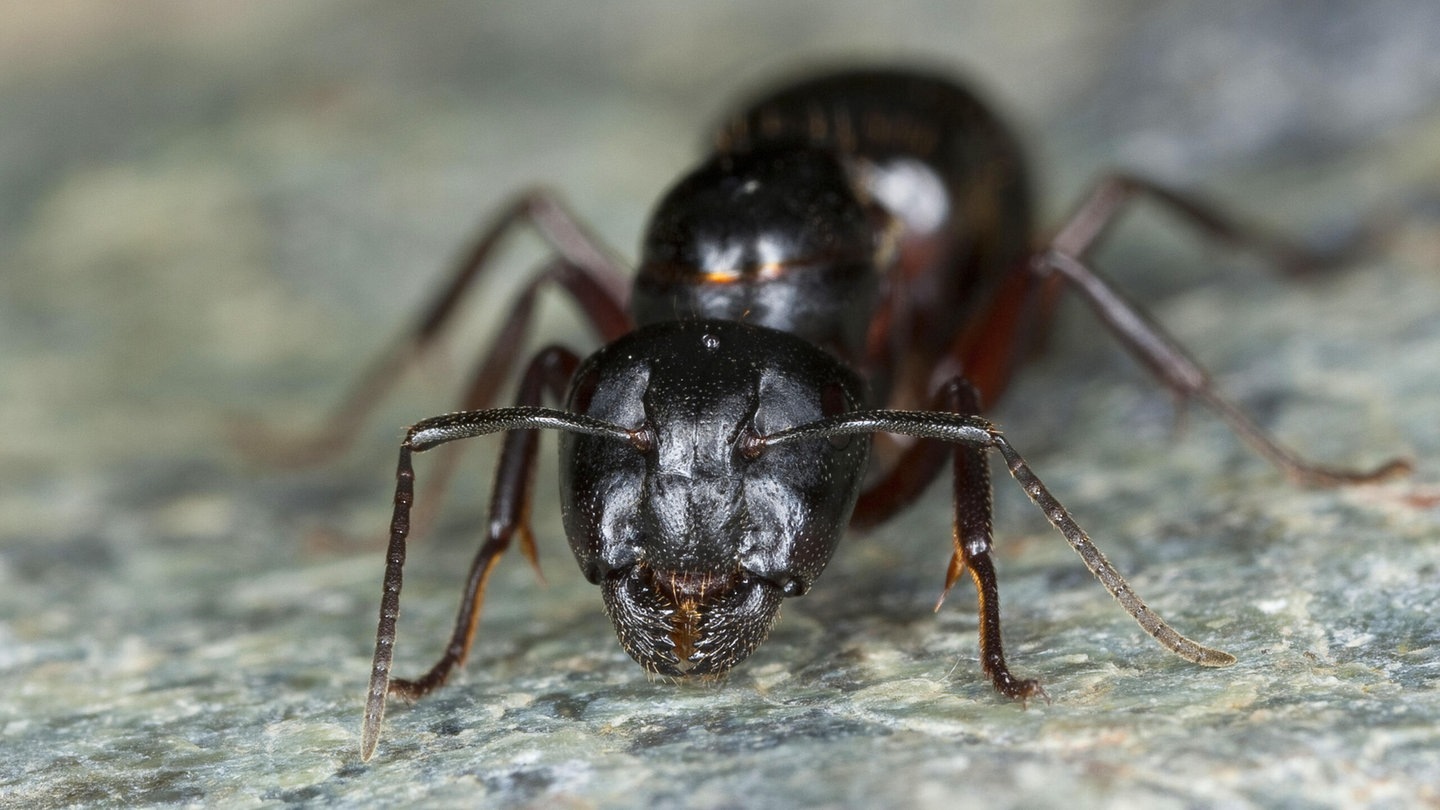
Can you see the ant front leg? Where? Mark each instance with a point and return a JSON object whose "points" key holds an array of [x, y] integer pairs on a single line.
{"points": [[907, 480], [1153, 346], [549, 371], [591, 276], [973, 541], [972, 520]]}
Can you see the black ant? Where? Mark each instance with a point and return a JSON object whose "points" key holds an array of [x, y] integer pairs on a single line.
{"points": [[857, 240]]}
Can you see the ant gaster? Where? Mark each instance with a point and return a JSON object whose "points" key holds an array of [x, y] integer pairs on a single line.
{"points": [[855, 260]]}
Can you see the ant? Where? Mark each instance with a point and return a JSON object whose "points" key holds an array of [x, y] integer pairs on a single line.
{"points": [[854, 265]]}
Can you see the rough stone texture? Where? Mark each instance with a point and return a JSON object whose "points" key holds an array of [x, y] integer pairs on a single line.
{"points": [[214, 210]]}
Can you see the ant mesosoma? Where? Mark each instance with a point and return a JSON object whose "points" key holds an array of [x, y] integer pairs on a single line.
{"points": [[859, 239]]}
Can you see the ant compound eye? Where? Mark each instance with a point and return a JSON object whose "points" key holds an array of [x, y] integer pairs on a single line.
{"points": [[794, 586]]}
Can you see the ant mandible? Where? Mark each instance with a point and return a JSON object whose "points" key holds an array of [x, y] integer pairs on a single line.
{"points": [[855, 258]]}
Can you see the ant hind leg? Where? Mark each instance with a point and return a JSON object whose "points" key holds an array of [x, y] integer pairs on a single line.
{"points": [[600, 302], [1149, 343]]}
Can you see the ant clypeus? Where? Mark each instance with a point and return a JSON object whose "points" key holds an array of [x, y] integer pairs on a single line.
{"points": [[859, 239]]}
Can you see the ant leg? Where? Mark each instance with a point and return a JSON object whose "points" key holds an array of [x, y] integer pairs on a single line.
{"points": [[607, 318], [538, 208], [973, 541], [987, 348], [984, 355], [1157, 350], [908, 478], [968, 430], [1106, 201], [509, 516], [1165, 358], [549, 372]]}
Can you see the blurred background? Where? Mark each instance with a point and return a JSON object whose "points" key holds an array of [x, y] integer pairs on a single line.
{"points": [[204, 206], [214, 210]]}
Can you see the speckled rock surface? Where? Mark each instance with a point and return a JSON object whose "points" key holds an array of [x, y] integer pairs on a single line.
{"points": [[216, 210]]}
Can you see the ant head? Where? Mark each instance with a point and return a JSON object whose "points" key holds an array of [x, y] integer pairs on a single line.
{"points": [[695, 528]]}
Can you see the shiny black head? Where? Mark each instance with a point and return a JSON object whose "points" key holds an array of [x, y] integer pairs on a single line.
{"points": [[694, 529]]}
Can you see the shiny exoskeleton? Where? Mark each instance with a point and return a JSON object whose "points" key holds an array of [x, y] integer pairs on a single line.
{"points": [[855, 259]]}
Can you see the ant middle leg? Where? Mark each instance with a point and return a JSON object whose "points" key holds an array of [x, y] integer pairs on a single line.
{"points": [[983, 355], [607, 319], [595, 280]]}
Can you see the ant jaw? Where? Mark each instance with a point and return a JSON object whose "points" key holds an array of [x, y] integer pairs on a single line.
{"points": [[689, 624]]}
